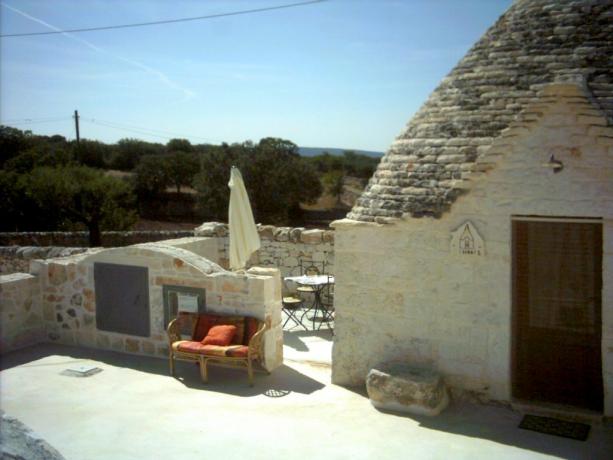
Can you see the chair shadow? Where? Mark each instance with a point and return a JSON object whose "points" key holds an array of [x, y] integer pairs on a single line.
{"points": [[280, 382], [500, 424]]}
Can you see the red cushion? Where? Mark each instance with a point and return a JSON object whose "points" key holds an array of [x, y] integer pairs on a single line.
{"points": [[220, 335], [251, 327], [199, 347], [191, 347], [238, 352], [204, 323]]}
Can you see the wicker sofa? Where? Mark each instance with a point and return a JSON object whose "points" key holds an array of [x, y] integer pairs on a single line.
{"points": [[245, 348]]}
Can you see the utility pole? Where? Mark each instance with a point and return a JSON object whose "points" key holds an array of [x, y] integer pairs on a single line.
{"points": [[76, 124]]}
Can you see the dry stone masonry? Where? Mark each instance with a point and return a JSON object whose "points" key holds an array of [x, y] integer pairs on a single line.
{"points": [[15, 259], [535, 93], [57, 301], [282, 247], [534, 43], [81, 239], [20, 311]]}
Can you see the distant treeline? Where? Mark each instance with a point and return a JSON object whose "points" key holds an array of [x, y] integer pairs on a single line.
{"points": [[50, 183]]}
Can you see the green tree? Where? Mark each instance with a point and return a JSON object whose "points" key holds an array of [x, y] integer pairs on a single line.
{"points": [[12, 142], [12, 205], [182, 167], [334, 182], [276, 177], [77, 195], [326, 162], [92, 153], [151, 177], [179, 145], [211, 182], [41, 153], [128, 152]]}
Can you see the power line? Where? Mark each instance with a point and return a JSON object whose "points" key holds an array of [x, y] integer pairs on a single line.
{"points": [[155, 131], [163, 134], [11, 120], [167, 21], [143, 131], [27, 121], [107, 125]]}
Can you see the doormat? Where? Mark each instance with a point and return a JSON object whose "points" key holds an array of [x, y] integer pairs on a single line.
{"points": [[562, 428]]}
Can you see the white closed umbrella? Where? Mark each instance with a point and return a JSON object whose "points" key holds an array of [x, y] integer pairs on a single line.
{"points": [[244, 238]]}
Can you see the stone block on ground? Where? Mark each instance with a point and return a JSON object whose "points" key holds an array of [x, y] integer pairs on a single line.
{"points": [[403, 388]]}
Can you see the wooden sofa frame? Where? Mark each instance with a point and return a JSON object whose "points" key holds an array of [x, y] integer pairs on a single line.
{"points": [[255, 352]]}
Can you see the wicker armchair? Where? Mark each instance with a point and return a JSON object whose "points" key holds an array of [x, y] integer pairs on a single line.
{"points": [[234, 355]]}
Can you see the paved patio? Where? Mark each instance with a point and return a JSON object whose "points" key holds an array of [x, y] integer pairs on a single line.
{"points": [[134, 410]]}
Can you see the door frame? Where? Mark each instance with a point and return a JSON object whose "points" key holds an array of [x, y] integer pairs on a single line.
{"points": [[514, 310]]}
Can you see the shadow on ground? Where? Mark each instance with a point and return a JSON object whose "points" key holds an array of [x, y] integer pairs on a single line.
{"points": [[500, 425], [281, 382], [294, 338]]}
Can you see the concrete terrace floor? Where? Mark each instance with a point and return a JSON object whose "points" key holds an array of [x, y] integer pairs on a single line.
{"points": [[134, 410]]}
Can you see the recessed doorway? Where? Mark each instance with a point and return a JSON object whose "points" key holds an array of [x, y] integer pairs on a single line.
{"points": [[557, 312]]}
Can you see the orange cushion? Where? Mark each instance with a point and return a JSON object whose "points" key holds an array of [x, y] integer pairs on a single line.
{"points": [[240, 351], [190, 347], [214, 350], [207, 321], [204, 323], [220, 335]]}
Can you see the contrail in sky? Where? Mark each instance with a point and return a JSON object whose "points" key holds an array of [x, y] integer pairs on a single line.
{"points": [[150, 70]]}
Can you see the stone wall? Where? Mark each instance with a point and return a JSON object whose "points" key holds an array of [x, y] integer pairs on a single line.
{"points": [[401, 293], [20, 311], [69, 300], [14, 259], [81, 239], [281, 247]]}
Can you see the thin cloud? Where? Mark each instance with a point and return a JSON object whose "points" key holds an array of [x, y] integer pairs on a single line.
{"points": [[187, 93]]}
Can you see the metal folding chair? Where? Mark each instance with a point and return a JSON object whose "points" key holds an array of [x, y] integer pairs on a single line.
{"points": [[291, 303]]}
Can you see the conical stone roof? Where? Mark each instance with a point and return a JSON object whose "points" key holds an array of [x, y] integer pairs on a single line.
{"points": [[535, 43]]}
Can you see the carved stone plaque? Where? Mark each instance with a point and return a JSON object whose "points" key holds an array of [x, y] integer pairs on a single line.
{"points": [[466, 241]]}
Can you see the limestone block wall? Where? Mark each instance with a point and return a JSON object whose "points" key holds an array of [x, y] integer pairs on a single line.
{"points": [[15, 259], [20, 311], [282, 247], [81, 239], [401, 293], [69, 300], [203, 246]]}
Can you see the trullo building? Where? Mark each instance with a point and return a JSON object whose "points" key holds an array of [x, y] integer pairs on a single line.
{"points": [[483, 243]]}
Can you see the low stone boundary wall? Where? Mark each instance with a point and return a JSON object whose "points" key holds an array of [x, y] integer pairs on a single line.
{"points": [[14, 259], [20, 311], [281, 247], [56, 300], [81, 239]]}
